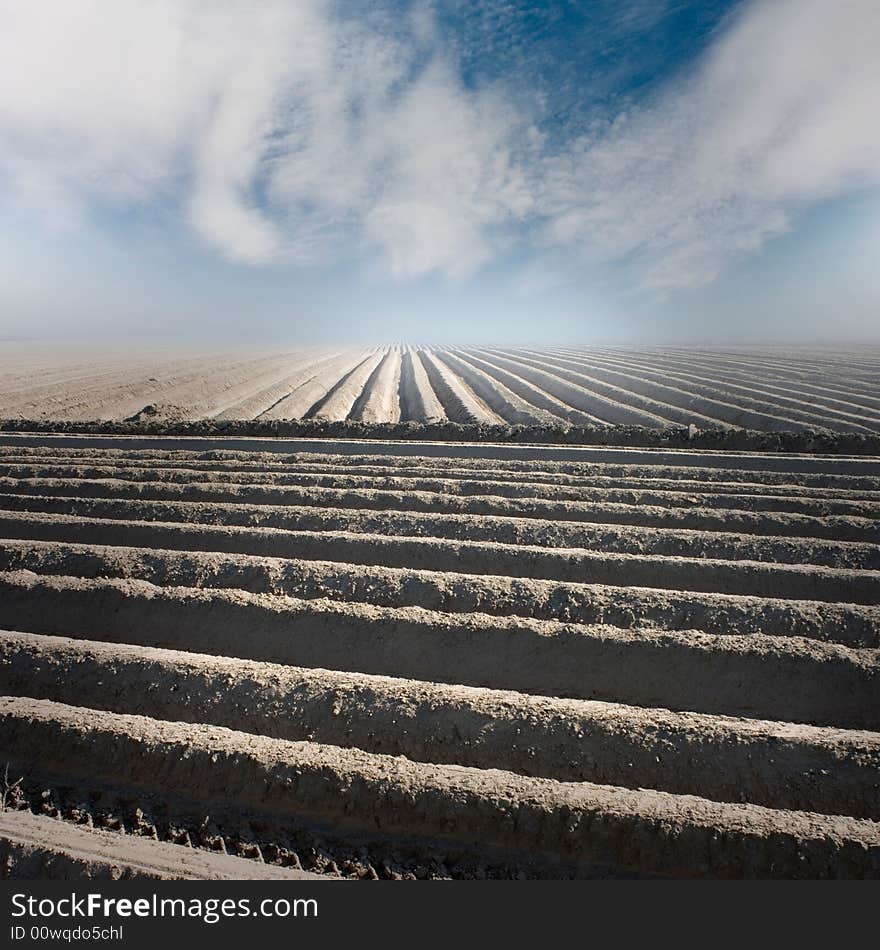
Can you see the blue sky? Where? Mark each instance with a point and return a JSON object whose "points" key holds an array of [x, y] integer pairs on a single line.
{"points": [[637, 170]]}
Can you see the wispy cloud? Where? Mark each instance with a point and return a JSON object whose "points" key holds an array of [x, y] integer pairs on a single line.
{"points": [[130, 102], [283, 131], [288, 132], [781, 113]]}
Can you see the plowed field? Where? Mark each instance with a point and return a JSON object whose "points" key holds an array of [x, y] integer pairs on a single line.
{"points": [[714, 388], [388, 659]]}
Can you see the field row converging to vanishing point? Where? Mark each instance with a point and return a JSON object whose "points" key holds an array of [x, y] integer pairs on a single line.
{"points": [[725, 388]]}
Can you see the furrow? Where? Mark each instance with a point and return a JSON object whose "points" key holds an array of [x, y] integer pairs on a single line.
{"points": [[341, 400], [316, 385], [510, 470], [800, 393], [261, 488], [563, 458], [255, 404], [501, 400], [649, 832], [726, 404], [745, 578], [780, 765], [588, 400], [249, 505], [460, 402], [380, 400], [730, 675], [657, 401], [716, 381], [531, 393], [447, 576], [448, 481], [419, 402]]}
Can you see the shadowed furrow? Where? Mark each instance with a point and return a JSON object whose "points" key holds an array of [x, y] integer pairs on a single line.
{"points": [[442, 659]]}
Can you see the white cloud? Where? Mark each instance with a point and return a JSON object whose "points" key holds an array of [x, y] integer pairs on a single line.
{"points": [[423, 168], [281, 132], [448, 178], [346, 142], [124, 101], [781, 113]]}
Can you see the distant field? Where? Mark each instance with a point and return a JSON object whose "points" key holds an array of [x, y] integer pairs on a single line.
{"points": [[775, 389], [447, 651]]}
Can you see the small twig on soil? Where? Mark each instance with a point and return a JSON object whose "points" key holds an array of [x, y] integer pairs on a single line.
{"points": [[8, 788]]}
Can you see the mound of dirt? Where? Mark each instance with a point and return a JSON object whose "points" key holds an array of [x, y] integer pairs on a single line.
{"points": [[161, 413]]}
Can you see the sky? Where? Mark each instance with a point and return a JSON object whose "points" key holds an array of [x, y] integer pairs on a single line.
{"points": [[455, 171]]}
